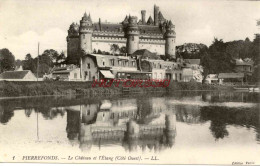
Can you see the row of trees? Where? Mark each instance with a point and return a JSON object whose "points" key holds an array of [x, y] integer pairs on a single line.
{"points": [[114, 48], [220, 57], [47, 60]]}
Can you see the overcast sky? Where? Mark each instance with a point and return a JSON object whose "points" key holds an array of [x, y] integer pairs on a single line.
{"points": [[25, 22]]}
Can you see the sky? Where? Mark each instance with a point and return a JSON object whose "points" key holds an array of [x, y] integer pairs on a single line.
{"points": [[24, 23]]}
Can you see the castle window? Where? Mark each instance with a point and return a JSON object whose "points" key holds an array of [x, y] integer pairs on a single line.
{"points": [[133, 38], [88, 65], [83, 36], [103, 63]]}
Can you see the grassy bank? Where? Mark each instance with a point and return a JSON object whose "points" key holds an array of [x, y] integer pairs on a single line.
{"points": [[15, 89], [195, 86]]}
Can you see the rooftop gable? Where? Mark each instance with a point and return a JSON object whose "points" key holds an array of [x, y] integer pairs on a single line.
{"points": [[230, 75], [192, 61], [14, 74]]}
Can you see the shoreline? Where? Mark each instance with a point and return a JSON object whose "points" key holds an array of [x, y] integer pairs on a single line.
{"points": [[21, 97], [58, 88]]}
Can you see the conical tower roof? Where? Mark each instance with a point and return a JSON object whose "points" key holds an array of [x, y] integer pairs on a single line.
{"points": [[150, 21]]}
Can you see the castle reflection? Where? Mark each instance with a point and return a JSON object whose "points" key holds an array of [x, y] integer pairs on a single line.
{"points": [[130, 123], [134, 122]]}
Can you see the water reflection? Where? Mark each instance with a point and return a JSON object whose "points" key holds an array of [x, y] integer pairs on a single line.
{"points": [[130, 123], [149, 123]]}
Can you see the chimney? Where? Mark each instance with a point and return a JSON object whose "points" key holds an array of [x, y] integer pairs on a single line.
{"points": [[143, 12], [156, 13], [99, 22]]}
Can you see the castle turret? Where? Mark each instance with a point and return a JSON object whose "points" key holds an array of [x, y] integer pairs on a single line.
{"points": [[73, 43], [170, 40], [85, 33], [132, 34], [156, 14], [143, 12]]}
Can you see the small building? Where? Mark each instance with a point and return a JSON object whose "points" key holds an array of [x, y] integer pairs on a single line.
{"points": [[194, 65], [244, 66], [187, 74], [231, 78], [66, 73], [212, 79], [24, 75]]}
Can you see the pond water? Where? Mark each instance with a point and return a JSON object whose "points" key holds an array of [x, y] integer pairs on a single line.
{"points": [[184, 127]]}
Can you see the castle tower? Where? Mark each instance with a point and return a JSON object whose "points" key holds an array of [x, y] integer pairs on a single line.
{"points": [[73, 44], [85, 34], [143, 12], [170, 40], [156, 14], [132, 34]]}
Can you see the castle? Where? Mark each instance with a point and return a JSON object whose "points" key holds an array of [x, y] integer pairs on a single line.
{"points": [[156, 35]]}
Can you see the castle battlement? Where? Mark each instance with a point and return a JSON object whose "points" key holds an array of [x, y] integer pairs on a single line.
{"points": [[154, 34]]}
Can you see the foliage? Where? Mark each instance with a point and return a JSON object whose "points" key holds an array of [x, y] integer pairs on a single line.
{"points": [[114, 48], [47, 60], [7, 60], [28, 63], [216, 59], [122, 50]]}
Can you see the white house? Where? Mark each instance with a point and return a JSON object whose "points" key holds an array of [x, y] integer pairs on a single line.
{"points": [[67, 74]]}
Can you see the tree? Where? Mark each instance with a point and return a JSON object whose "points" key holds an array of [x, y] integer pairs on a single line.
{"points": [[53, 54], [122, 50], [28, 63], [216, 60], [61, 58], [18, 63], [7, 60], [114, 48]]}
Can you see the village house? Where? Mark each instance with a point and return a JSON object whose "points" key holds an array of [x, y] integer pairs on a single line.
{"points": [[66, 73], [24, 75], [96, 66], [212, 79], [244, 66], [192, 70]]}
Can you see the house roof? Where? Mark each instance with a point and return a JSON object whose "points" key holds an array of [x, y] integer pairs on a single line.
{"points": [[62, 72], [109, 27], [192, 61], [14, 74], [244, 63], [144, 53], [231, 75]]}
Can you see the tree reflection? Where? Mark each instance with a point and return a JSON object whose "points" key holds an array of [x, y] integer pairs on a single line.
{"points": [[6, 113], [222, 116], [73, 122]]}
